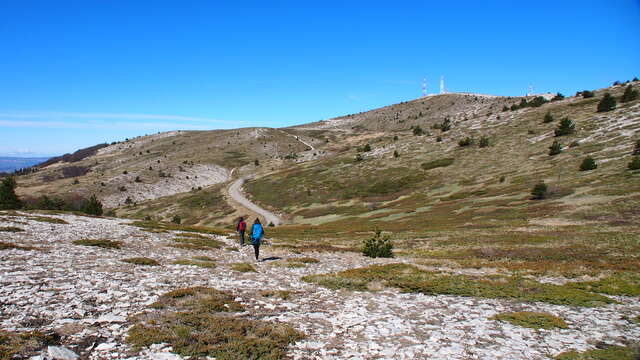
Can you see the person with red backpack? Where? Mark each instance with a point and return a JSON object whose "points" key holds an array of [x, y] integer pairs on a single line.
{"points": [[241, 228]]}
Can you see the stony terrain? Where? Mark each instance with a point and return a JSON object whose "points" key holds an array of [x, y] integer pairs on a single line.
{"points": [[87, 294]]}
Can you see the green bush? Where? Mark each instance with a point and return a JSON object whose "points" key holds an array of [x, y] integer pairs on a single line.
{"points": [[8, 198], [539, 191], [378, 246], [466, 142], [538, 101], [417, 131], [635, 163], [484, 142], [636, 149], [566, 127], [505, 108], [587, 94], [359, 157], [176, 219], [555, 148], [439, 139], [366, 148], [588, 164], [629, 94], [607, 103], [558, 96], [446, 125], [548, 117], [93, 206], [396, 154]]}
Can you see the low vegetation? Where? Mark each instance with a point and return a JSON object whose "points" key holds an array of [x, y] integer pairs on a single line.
{"points": [[22, 345], [378, 246], [610, 352], [197, 243], [142, 261], [12, 229], [164, 226], [11, 246], [102, 243], [243, 267], [194, 262], [409, 278], [195, 322], [533, 320]]}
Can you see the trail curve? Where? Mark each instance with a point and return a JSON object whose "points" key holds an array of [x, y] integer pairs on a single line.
{"points": [[235, 191]]}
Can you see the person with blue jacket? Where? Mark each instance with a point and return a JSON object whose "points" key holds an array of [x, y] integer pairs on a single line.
{"points": [[257, 232]]}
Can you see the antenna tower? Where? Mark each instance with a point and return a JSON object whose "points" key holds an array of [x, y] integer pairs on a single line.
{"points": [[424, 87], [443, 89], [530, 93]]}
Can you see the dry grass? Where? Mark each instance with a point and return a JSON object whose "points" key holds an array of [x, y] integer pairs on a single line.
{"points": [[243, 267], [141, 261], [13, 229], [608, 353], [533, 320], [195, 322], [10, 246], [102, 243], [200, 263], [14, 345]]}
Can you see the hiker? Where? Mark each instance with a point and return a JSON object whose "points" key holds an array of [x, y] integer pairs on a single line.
{"points": [[257, 232], [242, 226]]}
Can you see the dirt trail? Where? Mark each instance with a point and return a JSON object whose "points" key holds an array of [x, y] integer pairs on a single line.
{"points": [[235, 191]]}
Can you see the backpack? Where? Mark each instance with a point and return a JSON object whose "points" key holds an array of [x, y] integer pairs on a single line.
{"points": [[257, 234], [242, 226]]}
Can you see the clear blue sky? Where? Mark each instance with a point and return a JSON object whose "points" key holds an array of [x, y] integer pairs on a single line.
{"points": [[77, 73]]}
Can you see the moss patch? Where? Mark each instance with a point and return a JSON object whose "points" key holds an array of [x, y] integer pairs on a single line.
{"points": [[620, 284], [412, 279], [9, 246], [243, 267], [533, 320], [11, 229], [22, 345], [47, 219], [609, 353], [103, 243], [194, 322], [141, 261]]}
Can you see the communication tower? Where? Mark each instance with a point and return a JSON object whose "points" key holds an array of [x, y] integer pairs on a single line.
{"points": [[443, 89], [424, 87]]}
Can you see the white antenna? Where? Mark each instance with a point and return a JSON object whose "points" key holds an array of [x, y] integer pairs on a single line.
{"points": [[424, 87], [443, 89], [530, 93]]}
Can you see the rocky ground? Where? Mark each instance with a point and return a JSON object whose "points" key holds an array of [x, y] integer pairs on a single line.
{"points": [[87, 295]]}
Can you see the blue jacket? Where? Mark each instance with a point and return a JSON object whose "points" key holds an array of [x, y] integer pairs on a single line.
{"points": [[257, 232]]}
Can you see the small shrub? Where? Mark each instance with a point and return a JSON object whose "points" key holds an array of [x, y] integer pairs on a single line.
{"points": [[539, 191], [359, 157], [417, 131], [256, 162], [396, 154], [533, 320], [125, 172], [630, 94], [122, 188], [395, 138], [366, 148], [176, 219], [243, 267], [574, 143], [505, 108], [548, 117], [128, 200], [103, 243], [558, 96], [566, 127], [502, 178], [586, 94], [555, 148], [10, 246], [446, 125], [12, 229], [607, 103], [271, 224], [439, 139], [636, 149], [484, 142], [635, 163], [466, 142], [378, 246], [588, 164], [93, 206], [141, 261], [138, 179]]}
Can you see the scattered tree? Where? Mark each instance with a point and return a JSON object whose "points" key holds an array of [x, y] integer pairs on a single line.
{"points": [[635, 163], [484, 142], [125, 172], [359, 157], [588, 164], [366, 148], [505, 108], [8, 198], [378, 246], [636, 150], [138, 179], [566, 127], [256, 162], [396, 154], [176, 219], [539, 191], [395, 138], [630, 94], [93, 206], [607, 103], [439, 139], [417, 131], [587, 94], [548, 117], [446, 125], [466, 142], [555, 148], [558, 96]]}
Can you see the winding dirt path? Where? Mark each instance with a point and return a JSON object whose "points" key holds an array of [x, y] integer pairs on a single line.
{"points": [[235, 191]]}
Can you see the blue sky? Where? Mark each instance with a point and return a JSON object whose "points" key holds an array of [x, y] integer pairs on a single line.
{"points": [[77, 73]]}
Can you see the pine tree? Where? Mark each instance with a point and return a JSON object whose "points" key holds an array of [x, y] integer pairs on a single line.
{"points": [[587, 94], [539, 191], [378, 246], [93, 206], [396, 154], [8, 198], [566, 127], [635, 163], [607, 103], [588, 164], [548, 117], [555, 148], [629, 94]]}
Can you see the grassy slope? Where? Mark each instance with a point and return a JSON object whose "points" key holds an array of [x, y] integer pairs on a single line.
{"points": [[585, 225]]}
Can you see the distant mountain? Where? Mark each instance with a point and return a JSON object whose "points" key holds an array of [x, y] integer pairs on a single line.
{"points": [[9, 164]]}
